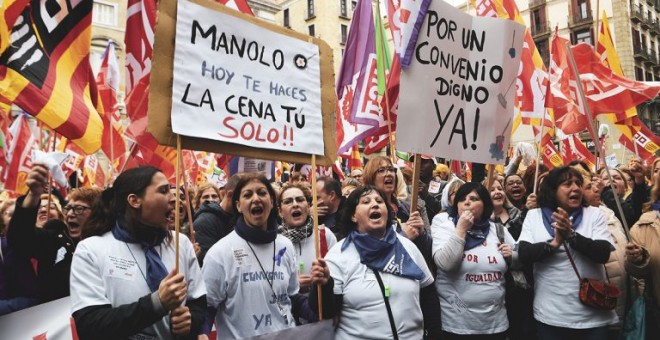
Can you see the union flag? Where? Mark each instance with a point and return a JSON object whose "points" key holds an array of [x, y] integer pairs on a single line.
{"points": [[45, 69]]}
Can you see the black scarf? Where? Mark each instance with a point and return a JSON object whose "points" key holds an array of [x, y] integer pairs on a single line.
{"points": [[256, 235]]}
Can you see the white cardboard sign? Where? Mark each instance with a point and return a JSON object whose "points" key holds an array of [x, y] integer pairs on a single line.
{"points": [[457, 96], [240, 83]]}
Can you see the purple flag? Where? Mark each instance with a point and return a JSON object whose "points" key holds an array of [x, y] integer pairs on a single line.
{"points": [[357, 82]]}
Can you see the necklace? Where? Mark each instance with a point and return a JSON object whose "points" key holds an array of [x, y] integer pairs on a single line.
{"points": [[138, 265], [271, 282]]}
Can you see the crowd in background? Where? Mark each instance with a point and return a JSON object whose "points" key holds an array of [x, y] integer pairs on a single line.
{"points": [[484, 257]]}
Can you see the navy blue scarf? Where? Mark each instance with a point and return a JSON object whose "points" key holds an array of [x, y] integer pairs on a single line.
{"points": [[477, 234], [256, 235], [656, 206], [387, 255], [547, 219], [148, 237]]}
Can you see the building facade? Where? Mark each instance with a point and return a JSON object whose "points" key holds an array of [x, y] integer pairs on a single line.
{"points": [[328, 20]]}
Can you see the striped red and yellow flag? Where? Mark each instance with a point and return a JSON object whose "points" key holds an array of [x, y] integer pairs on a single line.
{"points": [[45, 70], [634, 134]]}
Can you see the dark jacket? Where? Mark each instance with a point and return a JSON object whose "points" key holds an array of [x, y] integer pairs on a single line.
{"points": [[211, 223], [632, 205], [51, 246], [18, 282]]}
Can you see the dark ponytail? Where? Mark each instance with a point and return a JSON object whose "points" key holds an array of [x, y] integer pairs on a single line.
{"points": [[114, 201]]}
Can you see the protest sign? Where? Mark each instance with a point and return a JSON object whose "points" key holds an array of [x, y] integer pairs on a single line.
{"points": [[244, 87], [457, 97]]}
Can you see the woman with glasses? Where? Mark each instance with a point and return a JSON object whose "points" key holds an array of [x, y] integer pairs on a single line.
{"points": [[54, 244], [515, 190], [298, 226], [472, 261]]}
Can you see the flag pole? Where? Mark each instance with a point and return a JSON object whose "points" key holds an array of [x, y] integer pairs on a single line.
{"points": [[539, 151], [130, 153], [177, 203], [50, 178], [415, 182], [590, 119], [385, 93], [315, 218], [188, 209]]}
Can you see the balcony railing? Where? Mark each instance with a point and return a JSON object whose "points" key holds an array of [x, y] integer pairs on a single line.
{"points": [[653, 57], [541, 28], [639, 52], [636, 13], [655, 27], [646, 22]]}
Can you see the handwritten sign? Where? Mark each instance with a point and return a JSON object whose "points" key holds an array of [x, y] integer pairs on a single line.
{"points": [[241, 83], [457, 97]]}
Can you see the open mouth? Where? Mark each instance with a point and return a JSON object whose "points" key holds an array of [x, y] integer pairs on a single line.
{"points": [[296, 213], [388, 181], [575, 197], [257, 210], [375, 215]]}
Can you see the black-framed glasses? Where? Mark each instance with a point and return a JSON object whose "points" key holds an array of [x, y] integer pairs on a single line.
{"points": [[298, 199], [386, 169], [519, 183], [77, 209]]}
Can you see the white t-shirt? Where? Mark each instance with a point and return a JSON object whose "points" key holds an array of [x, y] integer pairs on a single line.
{"points": [[108, 271], [241, 293], [472, 295], [556, 286], [363, 312], [306, 251]]}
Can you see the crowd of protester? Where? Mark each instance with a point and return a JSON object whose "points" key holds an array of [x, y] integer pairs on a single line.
{"points": [[472, 258]]}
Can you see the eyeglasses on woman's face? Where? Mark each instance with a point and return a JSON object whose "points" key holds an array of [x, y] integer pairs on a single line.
{"points": [[385, 169], [76, 209]]}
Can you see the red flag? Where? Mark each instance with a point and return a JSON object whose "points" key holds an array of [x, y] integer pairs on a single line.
{"points": [[551, 157], [93, 174], [239, 5], [46, 70], [108, 83], [573, 149], [381, 138], [605, 91], [456, 168], [19, 156]]}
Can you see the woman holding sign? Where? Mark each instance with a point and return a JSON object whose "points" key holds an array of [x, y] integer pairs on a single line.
{"points": [[252, 274], [123, 281], [472, 255]]}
